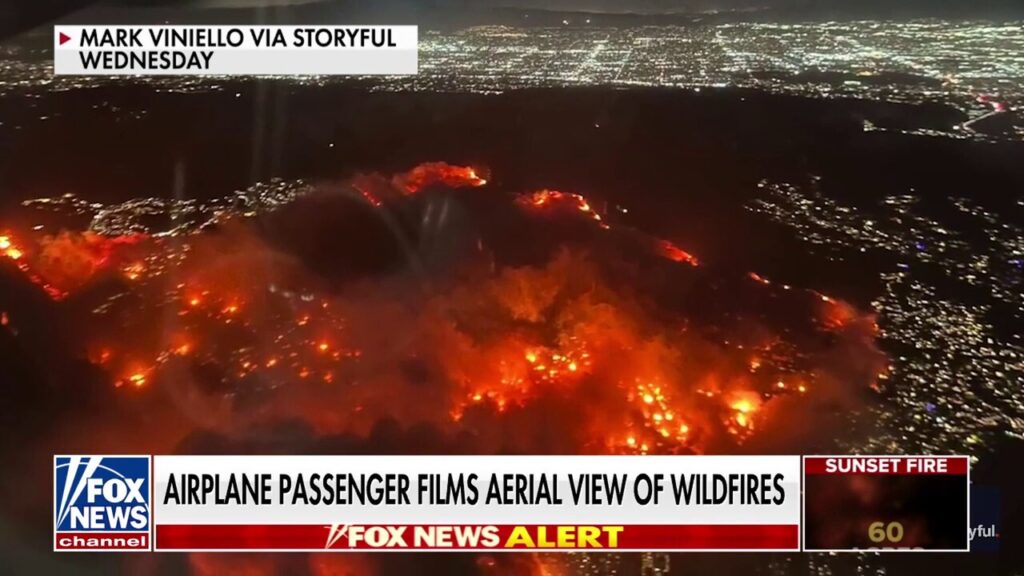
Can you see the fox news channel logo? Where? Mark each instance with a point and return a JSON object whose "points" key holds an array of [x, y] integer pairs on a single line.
{"points": [[101, 503]]}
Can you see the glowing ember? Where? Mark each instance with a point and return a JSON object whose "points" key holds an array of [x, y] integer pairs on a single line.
{"points": [[555, 200], [675, 253], [134, 271], [744, 405], [437, 173], [758, 278], [835, 314]]}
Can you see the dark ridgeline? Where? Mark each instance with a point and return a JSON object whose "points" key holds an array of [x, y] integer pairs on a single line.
{"points": [[684, 163]]}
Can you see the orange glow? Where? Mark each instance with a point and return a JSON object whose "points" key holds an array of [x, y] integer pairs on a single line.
{"points": [[744, 405], [502, 345], [443, 173], [134, 271], [675, 253], [836, 314], [554, 200], [67, 261], [758, 278]]}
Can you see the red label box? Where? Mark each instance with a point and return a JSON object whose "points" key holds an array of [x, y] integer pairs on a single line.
{"points": [[900, 465]]}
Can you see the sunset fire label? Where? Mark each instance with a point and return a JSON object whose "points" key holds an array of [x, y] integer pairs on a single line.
{"points": [[890, 503], [476, 503]]}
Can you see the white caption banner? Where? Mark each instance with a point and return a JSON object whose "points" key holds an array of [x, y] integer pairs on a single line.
{"points": [[561, 470], [235, 50]]}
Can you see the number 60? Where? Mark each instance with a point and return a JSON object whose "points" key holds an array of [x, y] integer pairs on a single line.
{"points": [[880, 532]]}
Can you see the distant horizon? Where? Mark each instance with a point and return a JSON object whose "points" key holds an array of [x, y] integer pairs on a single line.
{"points": [[449, 14]]}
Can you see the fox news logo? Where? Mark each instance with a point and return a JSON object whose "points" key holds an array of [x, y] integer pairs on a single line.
{"points": [[101, 503]]}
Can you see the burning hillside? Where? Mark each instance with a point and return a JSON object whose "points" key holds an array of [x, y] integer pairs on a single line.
{"points": [[571, 334]]}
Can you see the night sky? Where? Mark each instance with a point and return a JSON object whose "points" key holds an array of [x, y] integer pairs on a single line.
{"points": [[18, 16]]}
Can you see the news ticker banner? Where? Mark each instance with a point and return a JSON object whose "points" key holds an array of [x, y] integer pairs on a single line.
{"points": [[235, 50], [509, 503]]}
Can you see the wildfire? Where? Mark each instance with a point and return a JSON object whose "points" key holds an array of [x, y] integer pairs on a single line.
{"points": [[11, 251], [551, 341], [134, 271], [758, 278], [137, 378], [548, 353], [675, 253], [64, 262], [554, 200], [744, 405], [437, 173], [836, 314], [660, 419]]}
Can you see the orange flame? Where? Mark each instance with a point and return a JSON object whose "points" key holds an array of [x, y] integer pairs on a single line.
{"points": [[675, 253], [430, 173]]}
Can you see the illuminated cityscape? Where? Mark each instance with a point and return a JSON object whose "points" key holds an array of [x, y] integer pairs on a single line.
{"points": [[950, 363], [976, 67]]}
